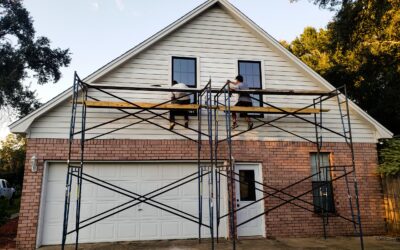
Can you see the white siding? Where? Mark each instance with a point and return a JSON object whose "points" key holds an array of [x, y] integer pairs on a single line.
{"points": [[217, 41]]}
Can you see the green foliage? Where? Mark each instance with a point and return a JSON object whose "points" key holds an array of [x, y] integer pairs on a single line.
{"points": [[12, 159], [359, 48], [21, 52], [4, 211], [8, 208], [389, 157]]}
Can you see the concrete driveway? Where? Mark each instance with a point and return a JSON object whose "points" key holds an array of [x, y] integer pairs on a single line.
{"points": [[378, 243]]}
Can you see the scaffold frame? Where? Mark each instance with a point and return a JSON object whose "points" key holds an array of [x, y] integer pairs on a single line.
{"points": [[209, 103]]}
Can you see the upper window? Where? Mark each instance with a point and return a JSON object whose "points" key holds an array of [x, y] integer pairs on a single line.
{"points": [[184, 71], [251, 72], [322, 183]]}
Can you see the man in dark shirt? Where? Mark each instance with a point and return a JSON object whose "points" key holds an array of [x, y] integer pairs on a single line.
{"points": [[244, 100]]}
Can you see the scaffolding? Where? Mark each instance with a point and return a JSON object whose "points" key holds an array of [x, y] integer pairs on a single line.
{"points": [[209, 103]]}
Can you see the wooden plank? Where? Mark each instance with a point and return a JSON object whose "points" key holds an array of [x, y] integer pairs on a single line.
{"points": [[103, 104], [271, 110], [239, 109], [282, 92], [215, 90]]}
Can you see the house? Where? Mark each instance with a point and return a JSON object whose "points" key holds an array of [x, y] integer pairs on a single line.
{"points": [[145, 157]]}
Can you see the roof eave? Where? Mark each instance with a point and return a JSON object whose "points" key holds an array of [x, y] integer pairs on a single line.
{"points": [[22, 125]]}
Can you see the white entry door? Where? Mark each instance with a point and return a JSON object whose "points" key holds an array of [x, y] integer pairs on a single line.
{"points": [[246, 195]]}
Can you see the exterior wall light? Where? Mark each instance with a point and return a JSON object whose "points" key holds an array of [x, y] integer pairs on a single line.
{"points": [[33, 162]]}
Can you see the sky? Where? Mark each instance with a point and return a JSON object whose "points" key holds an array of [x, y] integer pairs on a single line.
{"points": [[97, 31]]}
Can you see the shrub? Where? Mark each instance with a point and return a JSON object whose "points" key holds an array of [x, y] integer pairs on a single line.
{"points": [[389, 157]]}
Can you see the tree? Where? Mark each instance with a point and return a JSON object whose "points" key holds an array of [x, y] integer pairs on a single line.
{"points": [[21, 52], [12, 158], [359, 48]]}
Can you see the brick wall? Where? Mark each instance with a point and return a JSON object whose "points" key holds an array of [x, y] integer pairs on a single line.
{"points": [[283, 163]]}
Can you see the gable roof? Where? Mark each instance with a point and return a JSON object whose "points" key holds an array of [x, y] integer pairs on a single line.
{"points": [[22, 125]]}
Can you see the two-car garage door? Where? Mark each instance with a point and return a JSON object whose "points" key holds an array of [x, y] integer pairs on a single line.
{"points": [[142, 222]]}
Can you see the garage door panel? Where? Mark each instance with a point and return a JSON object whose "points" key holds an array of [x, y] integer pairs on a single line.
{"points": [[109, 173], [88, 190], [127, 214], [53, 234], [172, 203], [149, 230], [128, 185], [57, 189], [105, 194], [90, 169], [87, 209], [85, 235], [58, 174], [148, 186], [170, 229], [127, 231], [190, 190], [141, 222], [190, 229], [148, 212], [101, 206], [105, 231], [189, 206], [129, 173], [150, 173], [172, 194], [188, 169], [53, 217], [170, 173]]}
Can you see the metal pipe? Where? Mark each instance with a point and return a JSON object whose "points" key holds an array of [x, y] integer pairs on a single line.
{"points": [[284, 203]]}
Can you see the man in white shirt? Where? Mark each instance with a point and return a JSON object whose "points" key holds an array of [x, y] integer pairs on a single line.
{"points": [[179, 98]]}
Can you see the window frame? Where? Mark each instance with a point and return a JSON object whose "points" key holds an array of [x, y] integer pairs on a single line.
{"points": [[261, 84], [327, 183], [184, 58], [249, 185], [191, 113]]}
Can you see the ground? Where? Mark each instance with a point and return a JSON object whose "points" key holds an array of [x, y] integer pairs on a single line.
{"points": [[381, 243], [8, 232], [8, 222]]}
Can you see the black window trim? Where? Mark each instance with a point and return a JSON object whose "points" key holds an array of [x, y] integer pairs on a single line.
{"points": [[191, 113], [328, 183], [186, 58], [261, 83]]}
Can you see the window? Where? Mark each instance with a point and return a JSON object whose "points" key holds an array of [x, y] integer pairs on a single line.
{"points": [[184, 71], [322, 183], [247, 185], [251, 72]]}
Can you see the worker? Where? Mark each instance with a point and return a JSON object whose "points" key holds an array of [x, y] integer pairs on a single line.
{"points": [[179, 98], [244, 100]]}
